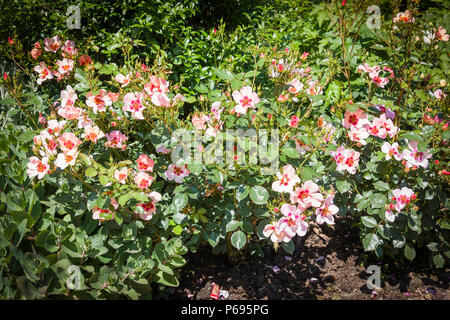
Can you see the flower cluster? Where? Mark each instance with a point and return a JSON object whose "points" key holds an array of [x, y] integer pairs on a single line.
{"points": [[404, 17], [211, 123], [402, 198], [64, 64], [302, 197], [379, 76]]}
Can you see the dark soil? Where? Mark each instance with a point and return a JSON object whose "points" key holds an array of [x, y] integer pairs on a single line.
{"points": [[330, 264]]}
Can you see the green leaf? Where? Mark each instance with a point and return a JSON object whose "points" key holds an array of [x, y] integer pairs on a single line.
{"points": [[232, 225], [343, 186], [289, 247], [238, 239], [167, 279], [90, 172], [242, 192], [107, 69], [413, 136], [81, 75], [410, 252], [378, 200], [224, 74], [177, 230], [291, 153], [381, 186], [123, 199], [369, 221], [399, 242], [177, 262], [201, 88], [259, 195], [103, 180], [180, 201], [371, 242], [22, 229], [433, 246], [438, 261]]}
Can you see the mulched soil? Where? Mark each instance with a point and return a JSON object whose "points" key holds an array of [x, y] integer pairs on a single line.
{"points": [[330, 264]]}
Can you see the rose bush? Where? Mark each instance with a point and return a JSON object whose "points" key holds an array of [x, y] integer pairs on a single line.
{"points": [[141, 169]]}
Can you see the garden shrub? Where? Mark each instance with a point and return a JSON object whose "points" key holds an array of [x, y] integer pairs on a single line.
{"points": [[117, 171]]}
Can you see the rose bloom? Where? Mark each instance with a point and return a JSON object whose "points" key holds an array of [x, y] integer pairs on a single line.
{"points": [[84, 121], [92, 133], [133, 103], [116, 139], [54, 127], [301, 147], [404, 17], [295, 86], [388, 125], [346, 159], [44, 72], [293, 222], [69, 49], [156, 85], [143, 180], [293, 123], [438, 94], [415, 158], [276, 234], [380, 81], [70, 112], [286, 180], [307, 195], [37, 167], [245, 99], [145, 163], [160, 99], [177, 173], [149, 208], [48, 145], [391, 150], [68, 142], [68, 97], [63, 160], [85, 60], [358, 134], [441, 34], [52, 44], [283, 98], [65, 65], [351, 160], [35, 53], [326, 212], [163, 150], [98, 102], [199, 121], [102, 214], [356, 118], [376, 128], [121, 175], [123, 80], [402, 197], [314, 89], [178, 98]]}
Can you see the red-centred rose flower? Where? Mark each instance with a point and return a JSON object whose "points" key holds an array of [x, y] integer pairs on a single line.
{"points": [[145, 163], [143, 180], [176, 173], [52, 44], [37, 167], [287, 179]]}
